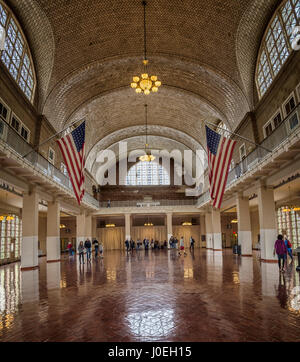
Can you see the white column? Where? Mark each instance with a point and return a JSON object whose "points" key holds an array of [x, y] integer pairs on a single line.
{"points": [[88, 227], [169, 226], [208, 228], [217, 230], [53, 232], [244, 225], [80, 229], [267, 222], [127, 227], [30, 220]]}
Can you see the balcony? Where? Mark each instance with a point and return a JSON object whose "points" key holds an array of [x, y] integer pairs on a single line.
{"points": [[150, 204], [15, 143], [275, 142]]}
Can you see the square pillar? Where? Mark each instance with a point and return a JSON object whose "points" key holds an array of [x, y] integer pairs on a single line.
{"points": [[217, 229], [53, 232], [244, 225], [80, 229], [267, 222], [30, 221], [127, 227], [209, 233], [169, 226], [88, 227]]}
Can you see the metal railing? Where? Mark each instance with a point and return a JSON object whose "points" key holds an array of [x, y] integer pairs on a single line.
{"points": [[272, 142], [14, 141], [148, 204]]}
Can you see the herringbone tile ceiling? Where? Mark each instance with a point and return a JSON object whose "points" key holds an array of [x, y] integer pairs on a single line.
{"points": [[86, 53]]}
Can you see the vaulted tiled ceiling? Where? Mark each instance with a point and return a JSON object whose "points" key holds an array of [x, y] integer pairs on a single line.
{"points": [[86, 53]]}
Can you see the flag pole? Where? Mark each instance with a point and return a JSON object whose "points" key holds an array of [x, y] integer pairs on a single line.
{"points": [[244, 138], [50, 138]]}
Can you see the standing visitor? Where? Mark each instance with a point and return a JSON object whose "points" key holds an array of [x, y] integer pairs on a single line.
{"points": [[289, 247], [80, 252], [127, 245], [192, 242], [70, 246], [281, 251], [88, 246], [181, 246], [101, 249], [96, 246]]}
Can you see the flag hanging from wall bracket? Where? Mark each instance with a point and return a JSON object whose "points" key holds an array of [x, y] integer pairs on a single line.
{"points": [[72, 149], [219, 153]]}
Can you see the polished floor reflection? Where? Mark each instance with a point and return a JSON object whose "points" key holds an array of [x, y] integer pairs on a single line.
{"points": [[153, 296]]}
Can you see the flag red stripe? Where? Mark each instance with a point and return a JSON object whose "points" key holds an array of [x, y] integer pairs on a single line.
{"points": [[69, 171], [220, 196]]}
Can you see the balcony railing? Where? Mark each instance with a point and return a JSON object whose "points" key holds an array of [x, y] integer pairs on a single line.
{"points": [[14, 141], [148, 204], [273, 142]]}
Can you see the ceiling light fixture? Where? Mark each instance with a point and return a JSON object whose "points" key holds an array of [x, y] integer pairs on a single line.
{"points": [[147, 157], [145, 83]]}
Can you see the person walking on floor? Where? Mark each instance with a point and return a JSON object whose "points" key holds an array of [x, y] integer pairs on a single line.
{"points": [[289, 247], [70, 246], [281, 251], [80, 252], [88, 246], [181, 247], [96, 246], [127, 245], [101, 249], [192, 242]]}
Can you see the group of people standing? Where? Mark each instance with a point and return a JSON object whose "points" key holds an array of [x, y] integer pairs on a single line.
{"points": [[283, 248], [86, 248], [147, 244], [174, 241]]}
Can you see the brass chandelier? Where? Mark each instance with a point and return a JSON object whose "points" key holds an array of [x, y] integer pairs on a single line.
{"points": [[145, 83], [147, 157]]}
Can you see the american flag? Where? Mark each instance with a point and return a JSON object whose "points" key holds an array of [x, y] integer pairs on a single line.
{"points": [[219, 152], [72, 149]]}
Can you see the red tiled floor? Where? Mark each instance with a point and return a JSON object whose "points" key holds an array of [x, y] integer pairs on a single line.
{"points": [[208, 296]]}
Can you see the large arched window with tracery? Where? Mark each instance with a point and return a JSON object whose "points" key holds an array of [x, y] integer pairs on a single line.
{"points": [[277, 44], [16, 55], [147, 174]]}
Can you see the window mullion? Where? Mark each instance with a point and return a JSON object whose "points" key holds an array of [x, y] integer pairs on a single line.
{"points": [[285, 34]]}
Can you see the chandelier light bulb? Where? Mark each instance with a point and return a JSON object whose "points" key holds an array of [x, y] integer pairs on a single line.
{"points": [[154, 89], [153, 78], [136, 79], [138, 90], [157, 83], [146, 91], [133, 85]]}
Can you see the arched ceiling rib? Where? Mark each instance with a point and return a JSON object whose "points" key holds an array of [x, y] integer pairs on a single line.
{"points": [[217, 91]]}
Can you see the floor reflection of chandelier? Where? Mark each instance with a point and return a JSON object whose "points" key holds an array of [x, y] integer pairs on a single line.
{"points": [[145, 83]]}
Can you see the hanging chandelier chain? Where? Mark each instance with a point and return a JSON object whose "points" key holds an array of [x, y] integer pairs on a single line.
{"points": [[145, 34], [146, 117]]}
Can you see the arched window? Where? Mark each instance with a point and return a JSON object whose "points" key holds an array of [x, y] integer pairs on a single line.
{"points": [[16, 55], [222, 129], [276, 45], [147, 173]]}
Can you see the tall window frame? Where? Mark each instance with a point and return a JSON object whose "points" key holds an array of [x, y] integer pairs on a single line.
{"points": [[16, 56], [145, 173], [276, 45]]}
